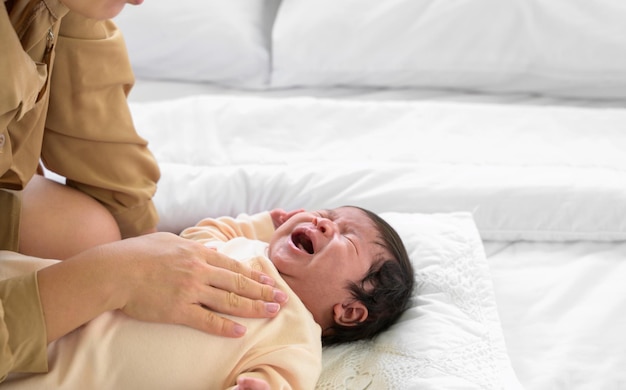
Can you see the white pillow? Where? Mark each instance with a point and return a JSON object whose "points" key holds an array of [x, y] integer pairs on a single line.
{"points": [[558, 47], [451, 337], [225, 42]]}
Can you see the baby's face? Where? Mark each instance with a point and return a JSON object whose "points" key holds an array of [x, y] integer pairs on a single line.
{"points": [[319, 252]]}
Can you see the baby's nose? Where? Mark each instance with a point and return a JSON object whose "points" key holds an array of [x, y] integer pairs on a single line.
{"points": [[324, 225]]}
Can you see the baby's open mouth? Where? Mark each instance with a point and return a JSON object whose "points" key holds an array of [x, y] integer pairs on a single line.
{"points": [[303, 242]]}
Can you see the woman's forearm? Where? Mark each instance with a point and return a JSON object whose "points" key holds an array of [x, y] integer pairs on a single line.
{"points": [[77, 290], [158, 278]]}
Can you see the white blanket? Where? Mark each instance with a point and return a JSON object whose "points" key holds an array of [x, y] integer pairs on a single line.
{"points": [[525, 172], [545, 173], [563, 312]]}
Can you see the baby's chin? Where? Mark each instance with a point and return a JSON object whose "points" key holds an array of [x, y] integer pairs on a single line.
{"points": [[279, 256], [269, 252]]}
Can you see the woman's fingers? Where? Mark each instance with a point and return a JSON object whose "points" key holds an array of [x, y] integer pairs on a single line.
{"points": [[216, 259], [207, 314], [227, 302], [210, 322], [169, 279], [233, 293]]}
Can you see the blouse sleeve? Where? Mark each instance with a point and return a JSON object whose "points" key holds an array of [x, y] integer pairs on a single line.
{"points": [[22, 328], [90, 137]]}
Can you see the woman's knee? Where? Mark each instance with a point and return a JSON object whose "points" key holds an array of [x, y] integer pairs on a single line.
{"points": [[58, 221]]}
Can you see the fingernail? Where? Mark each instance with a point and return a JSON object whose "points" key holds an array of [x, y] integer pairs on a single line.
{"points": [[272, 307], [266, 280], [280, 296], [240, 330]]}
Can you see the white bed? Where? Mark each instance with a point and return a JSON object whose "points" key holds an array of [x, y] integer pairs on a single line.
{"points": [[514, 112]]}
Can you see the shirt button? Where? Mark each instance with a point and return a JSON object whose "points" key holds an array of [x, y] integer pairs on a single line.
{"points": [[2, 139]]}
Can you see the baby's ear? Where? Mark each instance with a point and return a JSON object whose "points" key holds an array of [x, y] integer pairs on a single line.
{"points": [[350, 313]]}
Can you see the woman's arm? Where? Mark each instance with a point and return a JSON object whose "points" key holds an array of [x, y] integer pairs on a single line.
{"points": [[88, 121], [159, 278]]}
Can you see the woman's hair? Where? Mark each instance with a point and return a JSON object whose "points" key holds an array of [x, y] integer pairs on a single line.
{"points": [[385, 290]]}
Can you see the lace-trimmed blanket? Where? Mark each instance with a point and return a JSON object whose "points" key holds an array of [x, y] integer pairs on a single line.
{"points": [[451, 336]]}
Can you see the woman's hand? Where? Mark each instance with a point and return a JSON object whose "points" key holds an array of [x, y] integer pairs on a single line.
{"points": [[158, 278], [251, 384], [191, 284]]}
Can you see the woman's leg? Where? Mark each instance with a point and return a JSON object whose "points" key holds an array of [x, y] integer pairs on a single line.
{"points": [[58, 221]]}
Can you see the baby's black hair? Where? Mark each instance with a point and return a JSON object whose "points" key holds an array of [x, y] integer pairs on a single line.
{"points": [[385, 290]]}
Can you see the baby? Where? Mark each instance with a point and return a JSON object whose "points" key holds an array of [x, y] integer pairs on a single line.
{"points": [[345, 271], [347, 265]]}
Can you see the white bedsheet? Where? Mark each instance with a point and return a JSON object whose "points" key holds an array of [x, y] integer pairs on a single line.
{"points": [[147, 90], [526, 172], [544, 181], [563, 312]]}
